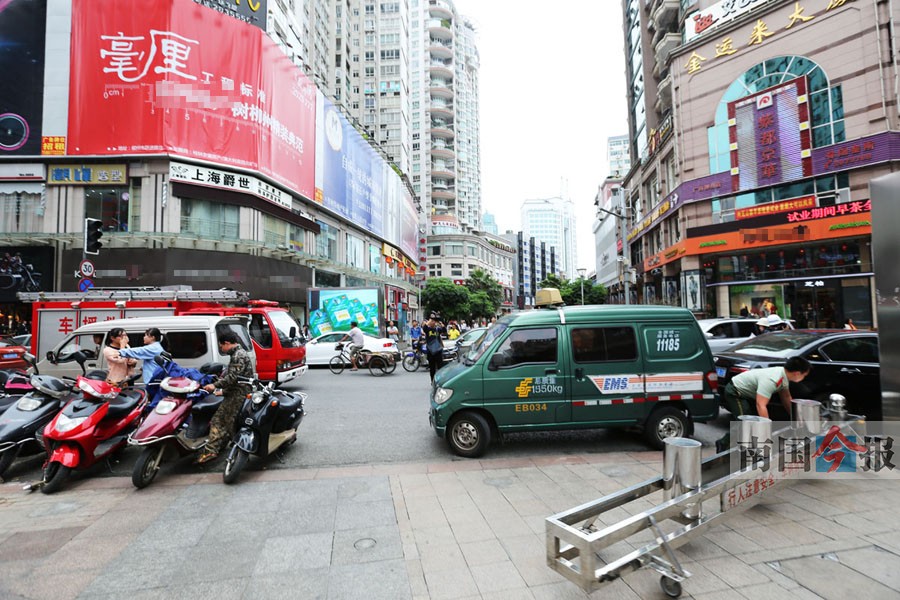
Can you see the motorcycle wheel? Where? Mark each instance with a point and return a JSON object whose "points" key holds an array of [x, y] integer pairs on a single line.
{"points": [[411, 363], [234, 464], [7, 458], [55, 475], [147, 466], [378, 366], [336, 364]]}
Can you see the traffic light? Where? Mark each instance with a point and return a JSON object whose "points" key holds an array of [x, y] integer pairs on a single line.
{"points": [[93, 231]]}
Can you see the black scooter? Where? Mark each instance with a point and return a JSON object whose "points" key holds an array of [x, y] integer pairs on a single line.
{"points": [[268, 420], [23, 422]]}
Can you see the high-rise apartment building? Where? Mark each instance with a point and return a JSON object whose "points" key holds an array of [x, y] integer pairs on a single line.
{"points": [[618, 154], [552, 221]]}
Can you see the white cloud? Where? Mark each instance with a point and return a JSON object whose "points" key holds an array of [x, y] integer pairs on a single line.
{"points": [[552, 83]]}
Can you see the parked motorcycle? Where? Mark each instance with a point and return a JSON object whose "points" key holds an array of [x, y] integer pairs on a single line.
{"points": [[179, 423], [91, 427], [268, 419], [22, 422]]}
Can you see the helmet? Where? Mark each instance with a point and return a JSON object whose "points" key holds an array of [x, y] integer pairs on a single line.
{"points": [[775, 320]]}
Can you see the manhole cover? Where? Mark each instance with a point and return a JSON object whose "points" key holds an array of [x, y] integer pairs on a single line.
{"points": [[364, 544]]}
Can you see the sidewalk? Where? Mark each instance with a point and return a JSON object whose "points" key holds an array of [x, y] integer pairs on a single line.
{"points": [[456, 529]]}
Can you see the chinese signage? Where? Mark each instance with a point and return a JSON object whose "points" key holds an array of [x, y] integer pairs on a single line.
{"points": [[394, 255], [171, 76], [775, 207], [88, 174], [251, 11], [53, 145], [660, 209], [659, 135], [823, 212], [771, 136], [721, 12], [223, 180]]}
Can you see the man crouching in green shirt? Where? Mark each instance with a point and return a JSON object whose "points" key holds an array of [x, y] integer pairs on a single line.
{"points": [[749, 392]]}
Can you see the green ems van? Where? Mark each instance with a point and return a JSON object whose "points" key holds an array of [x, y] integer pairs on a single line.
{"points": [[578, 367]]}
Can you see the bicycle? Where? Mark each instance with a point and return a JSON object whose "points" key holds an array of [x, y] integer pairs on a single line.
{"points": [[378, 363]]}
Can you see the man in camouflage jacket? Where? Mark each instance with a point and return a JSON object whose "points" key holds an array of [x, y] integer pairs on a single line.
{"points": [[221, 428]]}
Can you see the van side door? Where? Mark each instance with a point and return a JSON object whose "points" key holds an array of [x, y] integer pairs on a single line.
{"points": [[676, 364], [608, 374], [524, 379]]}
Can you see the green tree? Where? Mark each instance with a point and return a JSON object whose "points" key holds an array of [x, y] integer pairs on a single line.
{"points": [[481, 306], [570, 290], [481, 281], [443, 296]]}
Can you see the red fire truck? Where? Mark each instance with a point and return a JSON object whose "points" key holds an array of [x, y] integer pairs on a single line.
{"points": [[280, 353]]}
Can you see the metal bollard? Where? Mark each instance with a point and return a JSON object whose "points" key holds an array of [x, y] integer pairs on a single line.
{"points": [[754, 426], [681, 472], [807, 416], [837, 407]]}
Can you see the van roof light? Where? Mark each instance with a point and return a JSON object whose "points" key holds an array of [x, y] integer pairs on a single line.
{"points": [[548, 298]]}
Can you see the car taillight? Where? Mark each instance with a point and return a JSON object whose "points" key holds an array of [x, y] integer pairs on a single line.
{"points": [[737, 370], [388, 344], [713, 380]]}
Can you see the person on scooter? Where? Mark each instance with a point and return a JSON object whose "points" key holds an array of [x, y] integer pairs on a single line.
{"points": [[221, 427], [120, 367]]}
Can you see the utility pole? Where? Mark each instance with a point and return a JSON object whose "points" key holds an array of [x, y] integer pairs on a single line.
{"points": [[581, 273]]}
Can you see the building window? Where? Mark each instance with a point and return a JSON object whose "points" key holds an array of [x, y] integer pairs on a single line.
{"points": [[22, 213], [327, 241], [207, 219]]}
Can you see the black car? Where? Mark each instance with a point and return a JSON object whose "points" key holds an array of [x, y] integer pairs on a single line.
{"points": [[843, 362]]}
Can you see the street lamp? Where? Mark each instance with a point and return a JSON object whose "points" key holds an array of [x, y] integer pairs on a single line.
{"points": [[626, 268], [581, 273]]}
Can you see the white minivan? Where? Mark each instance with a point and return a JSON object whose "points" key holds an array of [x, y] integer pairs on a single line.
{"points": [[191, 340]]}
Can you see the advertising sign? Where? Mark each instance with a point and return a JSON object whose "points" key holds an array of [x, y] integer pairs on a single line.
{"points": [[24, 269], [770, 136], [349, 173], [227, 180], [23, 25], [172, 76], [251, 11], [88, 174], [715, 15], [333, 309]]}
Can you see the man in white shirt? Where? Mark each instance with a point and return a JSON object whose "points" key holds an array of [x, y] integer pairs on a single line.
{"points": [[357, 341]]}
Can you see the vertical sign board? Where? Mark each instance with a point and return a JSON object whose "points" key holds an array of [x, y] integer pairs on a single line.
{"points": [[885, 248]]}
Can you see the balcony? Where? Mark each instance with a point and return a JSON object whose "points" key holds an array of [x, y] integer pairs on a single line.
{"points": [[441, 170], [440, 9], [441, 149], [440, 28], [664, 47], [447, 193], [441, 108], [441, 131], [665, 17], [440, 48], [664, 95], [441, 68], [441, 88]]}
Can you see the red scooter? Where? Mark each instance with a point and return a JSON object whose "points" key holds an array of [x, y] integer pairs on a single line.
{"points": [[94, 424], [180, 421]]}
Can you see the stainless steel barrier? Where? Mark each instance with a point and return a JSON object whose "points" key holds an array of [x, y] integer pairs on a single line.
{"points": [[580, 544]]}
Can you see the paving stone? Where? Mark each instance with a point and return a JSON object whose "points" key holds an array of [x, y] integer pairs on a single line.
{"points": [[442, 558], [139, 570], [832, 580], [450, 583], [733, 571], [308, 584], [877, 563], [416, 575], [366, 545], [497, 576], [483, 552], [291, 553], [237, 559], [36, 544], [564, 590], [226, 589], [364, 489], [357, 515], [383, 580], [773, 591]]}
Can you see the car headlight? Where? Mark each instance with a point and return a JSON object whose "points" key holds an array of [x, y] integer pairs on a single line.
{"points": [[441, 395], [64, 423], [257, 397], [28, 403], [165, 407]]}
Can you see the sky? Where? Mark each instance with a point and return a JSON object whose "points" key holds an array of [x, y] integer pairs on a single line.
{"points": [[552, 87]]}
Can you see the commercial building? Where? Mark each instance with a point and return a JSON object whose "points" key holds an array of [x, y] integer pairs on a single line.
{"points": [[535, 260], [764, 123], [552, 221], [211, 159]]}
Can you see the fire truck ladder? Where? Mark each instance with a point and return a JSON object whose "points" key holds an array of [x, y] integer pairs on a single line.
{"points": [[107, 295], [583, 548]]}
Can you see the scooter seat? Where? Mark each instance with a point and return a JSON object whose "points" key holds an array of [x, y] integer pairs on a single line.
{"points": [[206, 405], [126, 402], [288, 402]]}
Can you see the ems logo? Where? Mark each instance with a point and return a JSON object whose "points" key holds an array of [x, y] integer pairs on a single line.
{"points": [[764, 101]]}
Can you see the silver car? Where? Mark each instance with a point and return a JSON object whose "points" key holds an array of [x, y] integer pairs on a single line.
{"points": [[725, 332]]}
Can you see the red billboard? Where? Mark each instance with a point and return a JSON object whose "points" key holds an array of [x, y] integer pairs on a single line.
{"points": [[175, 77]]}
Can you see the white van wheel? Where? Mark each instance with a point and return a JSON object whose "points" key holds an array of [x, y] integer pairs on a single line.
{"points": [[664, 423], [469, 434]]}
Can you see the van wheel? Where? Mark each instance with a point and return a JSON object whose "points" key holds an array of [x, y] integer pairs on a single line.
{"points": [[664, 423], [469, 434]]}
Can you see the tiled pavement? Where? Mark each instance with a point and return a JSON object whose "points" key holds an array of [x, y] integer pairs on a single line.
{"points": [[456, 529]]}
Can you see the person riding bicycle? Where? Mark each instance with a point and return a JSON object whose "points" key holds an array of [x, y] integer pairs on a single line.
{"points": [[357, 340]]}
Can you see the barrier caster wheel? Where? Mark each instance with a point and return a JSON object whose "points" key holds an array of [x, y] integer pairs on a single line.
{"points": [[670, 587]]}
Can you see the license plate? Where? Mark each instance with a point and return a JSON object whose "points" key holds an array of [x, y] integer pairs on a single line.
{"points": [[10, 355], [720, 371]]}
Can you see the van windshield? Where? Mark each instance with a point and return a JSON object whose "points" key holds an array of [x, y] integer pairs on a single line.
{"points": [[283, 323], [484, 343]]}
